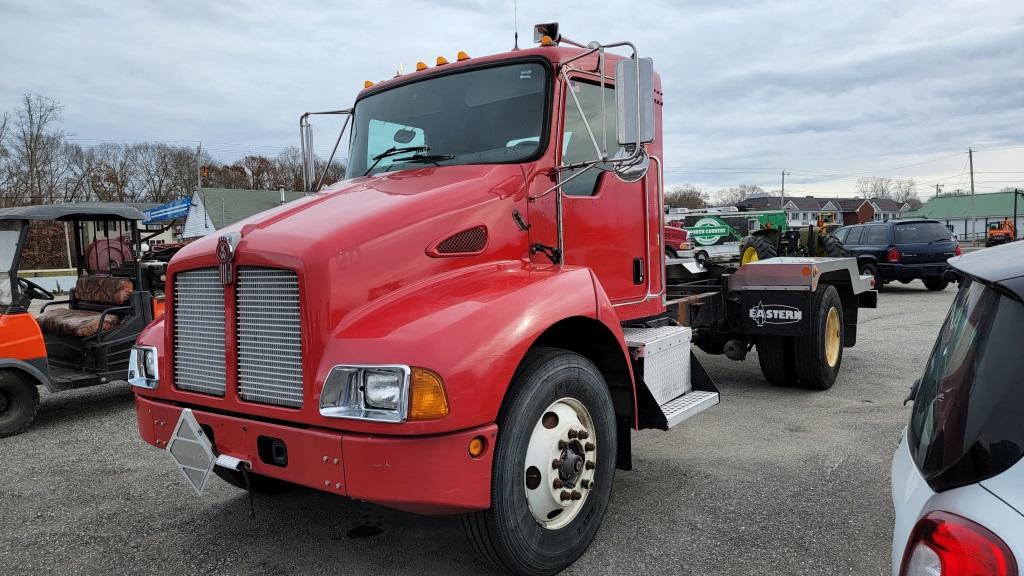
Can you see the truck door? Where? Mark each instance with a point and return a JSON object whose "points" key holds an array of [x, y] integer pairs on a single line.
{"points": [[604, 217]]}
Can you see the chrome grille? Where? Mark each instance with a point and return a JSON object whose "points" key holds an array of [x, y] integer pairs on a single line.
{"points": [[269, 337], [199, 332]]}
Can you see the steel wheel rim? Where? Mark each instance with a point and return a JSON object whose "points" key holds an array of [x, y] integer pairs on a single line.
{"points": [[750, 255], [561, 462], [832, 343]]}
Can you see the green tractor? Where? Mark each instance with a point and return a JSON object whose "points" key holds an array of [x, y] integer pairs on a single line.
{"points": [[811, 240]]}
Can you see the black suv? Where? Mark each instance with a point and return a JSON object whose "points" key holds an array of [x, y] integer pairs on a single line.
{"points": [[903, 250]]}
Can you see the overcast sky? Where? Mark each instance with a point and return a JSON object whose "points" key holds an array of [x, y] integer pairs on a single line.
{"points": [[826, 90]]}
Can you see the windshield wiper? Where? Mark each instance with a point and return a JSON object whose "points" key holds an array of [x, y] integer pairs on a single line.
{"points": [[392, 152], [434, 159]]}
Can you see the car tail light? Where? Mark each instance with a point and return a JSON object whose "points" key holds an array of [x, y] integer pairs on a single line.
{"points": [[893, 255], [944, 544], [958, 251]]}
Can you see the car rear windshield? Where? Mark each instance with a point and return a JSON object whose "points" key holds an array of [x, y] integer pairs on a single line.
{"points": [[966, 424], [921, 232]]}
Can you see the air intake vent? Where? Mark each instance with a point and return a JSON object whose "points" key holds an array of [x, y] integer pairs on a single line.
{"points": [[467, 242], [199, 332], [269, 336]]}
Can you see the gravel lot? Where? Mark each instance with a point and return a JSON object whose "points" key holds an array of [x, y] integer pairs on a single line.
{"points": [[772, 481]]}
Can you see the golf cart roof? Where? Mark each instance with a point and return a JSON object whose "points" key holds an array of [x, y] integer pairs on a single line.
{"points": [[74, 211]]}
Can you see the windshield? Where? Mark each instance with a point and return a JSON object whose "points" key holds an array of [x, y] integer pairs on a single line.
{"points": [[921, 232], [966, 425], [483, 116], [10, 235]]}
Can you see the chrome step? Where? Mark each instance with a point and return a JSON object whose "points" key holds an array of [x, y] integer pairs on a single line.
{"points": [[687, 405]]}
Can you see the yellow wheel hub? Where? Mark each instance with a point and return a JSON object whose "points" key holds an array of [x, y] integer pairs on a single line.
{"points": [[832, 341], [749, 255]]}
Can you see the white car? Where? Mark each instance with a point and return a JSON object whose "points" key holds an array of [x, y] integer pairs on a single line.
{"points": [[958, 475]]}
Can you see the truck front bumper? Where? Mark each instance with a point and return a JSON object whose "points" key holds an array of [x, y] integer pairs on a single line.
{"points": [[423, 474]]}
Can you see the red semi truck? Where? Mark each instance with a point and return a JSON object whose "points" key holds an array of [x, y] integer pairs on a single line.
{"points": [[477, 317]]}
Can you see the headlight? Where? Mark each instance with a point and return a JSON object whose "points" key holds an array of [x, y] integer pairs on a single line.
{"points": [[392, 393], [383, 389], [143, 367]]}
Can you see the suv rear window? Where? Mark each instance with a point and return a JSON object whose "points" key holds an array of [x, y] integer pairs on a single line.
{"points": [[875, 235], [966, 425], [921, 232]]}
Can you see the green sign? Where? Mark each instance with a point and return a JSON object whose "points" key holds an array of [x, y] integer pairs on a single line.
{"points": [[709, 230]]}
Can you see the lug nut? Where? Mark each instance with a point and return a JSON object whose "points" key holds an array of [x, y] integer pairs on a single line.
{"points": [[589, 447], [576, 495], [557, 484], [587, 484], [562, 444], [584, 435], [556, 463], [590, 466], [565, 496], [572, 434]]}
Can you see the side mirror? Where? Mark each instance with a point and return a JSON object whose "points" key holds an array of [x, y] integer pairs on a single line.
{"points": [[144, 247], [913, 392], [633, 90]]}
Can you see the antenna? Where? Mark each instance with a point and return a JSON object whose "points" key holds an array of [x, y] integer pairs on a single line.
{"points": [[515, 23]]}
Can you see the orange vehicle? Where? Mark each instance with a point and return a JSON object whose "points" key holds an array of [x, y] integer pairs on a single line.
{"points": [[1000, 233], [89, 340]]}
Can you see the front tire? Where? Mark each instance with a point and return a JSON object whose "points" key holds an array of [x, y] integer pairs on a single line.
{"points": [[819, 356], [754, 248], [542, 517], [833, 247], [19, 402]]}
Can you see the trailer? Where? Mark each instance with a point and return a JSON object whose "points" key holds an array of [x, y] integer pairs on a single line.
{"points": [[477, 319]]}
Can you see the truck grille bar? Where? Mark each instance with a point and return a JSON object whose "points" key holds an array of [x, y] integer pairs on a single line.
{"points": [[199, 332], [269, 337]]}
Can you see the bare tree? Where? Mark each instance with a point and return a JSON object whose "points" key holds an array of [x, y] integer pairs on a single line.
{"points": [[737, 194], [287, 169], [685, 196], [115, 177], [35, 148]]}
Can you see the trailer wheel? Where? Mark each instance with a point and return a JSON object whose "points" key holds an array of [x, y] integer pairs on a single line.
{"points": [[775, 355], [257, 482], [19, 402], [754, 248], [554, 463], [819, 356]]}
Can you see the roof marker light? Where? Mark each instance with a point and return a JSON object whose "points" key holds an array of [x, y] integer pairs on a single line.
{"points": [[441, 60], [462, 56], [421, 66], [546, 41], [367, 84]]}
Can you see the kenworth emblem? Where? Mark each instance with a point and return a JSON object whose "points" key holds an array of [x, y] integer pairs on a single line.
{"points": [[775, 314], [225, 254]]}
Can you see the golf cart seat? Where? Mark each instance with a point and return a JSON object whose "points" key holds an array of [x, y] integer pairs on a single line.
{"points": [[94, 298]]}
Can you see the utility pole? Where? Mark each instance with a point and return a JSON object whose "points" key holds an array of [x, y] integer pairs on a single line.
{"points": [[938, 189], [974, 232], [199, 168], [782, 198], [1016, 192]]}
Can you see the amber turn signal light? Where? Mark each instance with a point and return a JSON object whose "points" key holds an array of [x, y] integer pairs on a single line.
{"points": [[477, 446], [428, 400]]}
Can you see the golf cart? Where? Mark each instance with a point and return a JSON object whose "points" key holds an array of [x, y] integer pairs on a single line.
{"points": [[89, 340]]}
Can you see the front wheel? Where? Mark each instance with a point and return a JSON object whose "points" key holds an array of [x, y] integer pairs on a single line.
{"points": [[19, 402], [755, 248], [554, 463]]}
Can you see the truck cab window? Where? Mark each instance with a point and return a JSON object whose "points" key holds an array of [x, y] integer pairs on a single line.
{"points": [[576, 143]]}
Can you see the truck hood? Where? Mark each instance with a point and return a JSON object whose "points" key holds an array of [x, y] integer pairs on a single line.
{"points": [[366, 237]]}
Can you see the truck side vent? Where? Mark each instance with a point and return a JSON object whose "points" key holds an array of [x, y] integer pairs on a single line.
{"points": [[199, 332], [269, 337], [468, 242]]}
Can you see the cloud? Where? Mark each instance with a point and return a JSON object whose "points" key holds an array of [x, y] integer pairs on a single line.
{"points": [[813, 87]]}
